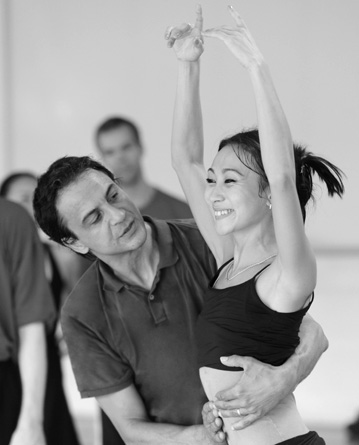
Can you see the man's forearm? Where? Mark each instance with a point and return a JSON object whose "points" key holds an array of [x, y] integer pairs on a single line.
{"points": [[150, 433], [127, 412], [313, 343]]}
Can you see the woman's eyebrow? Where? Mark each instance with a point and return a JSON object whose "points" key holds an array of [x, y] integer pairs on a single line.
{"points": [[225, 170]]}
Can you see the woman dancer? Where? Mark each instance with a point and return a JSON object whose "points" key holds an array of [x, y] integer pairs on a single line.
{"points": [[251, 215]]}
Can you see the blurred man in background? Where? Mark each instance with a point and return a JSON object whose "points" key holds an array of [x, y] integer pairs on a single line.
{"points": [[119, 144]]}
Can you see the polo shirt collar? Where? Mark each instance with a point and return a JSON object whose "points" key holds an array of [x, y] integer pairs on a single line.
{"points": [[168, 254]]}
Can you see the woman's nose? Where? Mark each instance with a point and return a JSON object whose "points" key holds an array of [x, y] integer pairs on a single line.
{"points": [[216, 194]]}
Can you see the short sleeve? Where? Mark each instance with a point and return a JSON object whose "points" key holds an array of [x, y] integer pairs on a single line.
{"points": [[98, 366]]}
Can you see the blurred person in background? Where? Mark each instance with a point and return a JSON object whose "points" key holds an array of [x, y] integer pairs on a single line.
{"points": [[62, 269], [26, 313], [119, 143]]}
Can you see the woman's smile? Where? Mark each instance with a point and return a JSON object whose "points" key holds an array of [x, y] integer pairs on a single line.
{"points": [[220, 214]]}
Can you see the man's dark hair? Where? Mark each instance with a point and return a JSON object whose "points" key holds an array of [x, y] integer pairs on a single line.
{"points": [[114, 123], [62, 173]]}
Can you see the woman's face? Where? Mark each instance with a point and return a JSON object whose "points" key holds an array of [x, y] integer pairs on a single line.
{"points": [[21, 191], [233, 195]]}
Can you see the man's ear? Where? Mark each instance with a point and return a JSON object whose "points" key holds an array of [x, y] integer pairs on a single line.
{"points": [[76, 246]]}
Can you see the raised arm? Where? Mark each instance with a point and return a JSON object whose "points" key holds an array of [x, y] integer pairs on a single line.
{"points": [[187, 131], [295, 259], [127, 412]]}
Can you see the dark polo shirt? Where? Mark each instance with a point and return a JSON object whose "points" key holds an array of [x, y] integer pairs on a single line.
{"points": [[119, 334], [164, 206]]}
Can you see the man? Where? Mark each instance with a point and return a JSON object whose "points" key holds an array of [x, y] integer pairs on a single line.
{"points": [[26, 308], [129, 322], [119, 144]]}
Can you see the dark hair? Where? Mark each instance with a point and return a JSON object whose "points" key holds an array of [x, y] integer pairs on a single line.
{"points": [[306, 164], [62, 173], [9, 180], [114, 123]]}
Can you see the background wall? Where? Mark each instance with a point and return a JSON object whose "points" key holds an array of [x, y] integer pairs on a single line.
{"points": [[69, 64]]}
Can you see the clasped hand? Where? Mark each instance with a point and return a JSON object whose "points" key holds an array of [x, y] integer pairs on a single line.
{"points": [[187, 40]]}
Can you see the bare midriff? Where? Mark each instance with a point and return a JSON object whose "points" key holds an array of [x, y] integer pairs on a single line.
{"points": [[281, 423]]}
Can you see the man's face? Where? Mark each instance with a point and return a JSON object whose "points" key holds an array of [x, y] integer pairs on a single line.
{"points": [[121, 153], [102, 216]]}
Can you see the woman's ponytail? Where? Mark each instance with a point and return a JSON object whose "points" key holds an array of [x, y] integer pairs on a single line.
{"points": [[307, 164]]}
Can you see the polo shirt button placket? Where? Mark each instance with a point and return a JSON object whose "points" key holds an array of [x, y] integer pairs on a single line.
{"points": [[156, 308]]}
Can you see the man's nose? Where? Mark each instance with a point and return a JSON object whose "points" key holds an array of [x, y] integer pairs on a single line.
{"points": [[116, 215]]}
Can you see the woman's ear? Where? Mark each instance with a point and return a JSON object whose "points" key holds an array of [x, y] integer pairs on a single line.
{"points": [[76, 245], [269, 198]]}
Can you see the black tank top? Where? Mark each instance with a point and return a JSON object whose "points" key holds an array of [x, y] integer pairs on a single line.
{"points": [[234, 320]]}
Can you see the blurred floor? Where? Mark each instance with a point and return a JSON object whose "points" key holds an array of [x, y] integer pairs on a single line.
{"points": [[330, 395], [335, 436], [332, 436]]}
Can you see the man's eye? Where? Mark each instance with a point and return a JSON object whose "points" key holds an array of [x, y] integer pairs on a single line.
{"points": [[96, 218], [210, 181], [113, 196], [227, 181]]}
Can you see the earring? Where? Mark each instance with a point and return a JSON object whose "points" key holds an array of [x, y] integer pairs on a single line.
{"points": [[268, 203]]}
